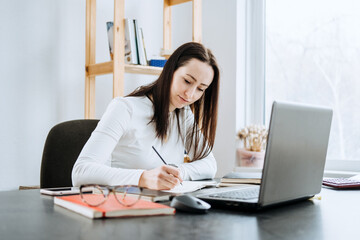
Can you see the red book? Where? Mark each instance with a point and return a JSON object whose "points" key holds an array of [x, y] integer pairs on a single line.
{"points": [[112, 208]]}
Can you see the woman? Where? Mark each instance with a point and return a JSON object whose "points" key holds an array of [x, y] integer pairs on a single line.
{"points": [[175, 113]]}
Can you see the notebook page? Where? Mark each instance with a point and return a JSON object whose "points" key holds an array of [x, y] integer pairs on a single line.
{"points": [[356, 177], [191, 186]]}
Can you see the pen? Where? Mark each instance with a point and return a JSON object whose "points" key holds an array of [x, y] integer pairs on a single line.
{"points": [[164, 160]]}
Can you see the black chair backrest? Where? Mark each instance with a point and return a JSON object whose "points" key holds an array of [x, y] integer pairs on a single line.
{"points": [[62, 147]]}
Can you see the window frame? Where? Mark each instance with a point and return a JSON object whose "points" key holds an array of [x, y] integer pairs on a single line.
{"points": [[255, 62], [254, 42]]}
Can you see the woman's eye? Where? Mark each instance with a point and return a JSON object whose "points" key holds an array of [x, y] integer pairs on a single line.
{"points": [[187, 81], [201, 90]]}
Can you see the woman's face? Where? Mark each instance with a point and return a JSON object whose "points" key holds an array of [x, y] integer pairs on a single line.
{"points": [[189, 83]]}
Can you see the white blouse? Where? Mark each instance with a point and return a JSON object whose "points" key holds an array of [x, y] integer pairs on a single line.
{"points": [[120, 148]]}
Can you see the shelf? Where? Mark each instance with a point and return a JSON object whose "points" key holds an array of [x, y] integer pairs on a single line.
{"points": [[107, 68], [175, 2], [117, 67], [143, 69]]}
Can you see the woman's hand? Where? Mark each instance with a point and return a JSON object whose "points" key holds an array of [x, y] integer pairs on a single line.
{"points": [[162, 178]]}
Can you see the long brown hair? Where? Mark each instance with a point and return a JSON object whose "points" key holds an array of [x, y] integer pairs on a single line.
{"points": [[205, 109]]}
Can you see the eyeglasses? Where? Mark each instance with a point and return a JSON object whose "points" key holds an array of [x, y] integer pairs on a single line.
{"points": [[102, 192]]}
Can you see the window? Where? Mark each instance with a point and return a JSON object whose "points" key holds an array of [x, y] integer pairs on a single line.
{"points": [[306, 51], [313, 56]]}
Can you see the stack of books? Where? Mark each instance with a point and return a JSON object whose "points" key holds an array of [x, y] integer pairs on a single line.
{"points": [[235, 178], [135, 52]]}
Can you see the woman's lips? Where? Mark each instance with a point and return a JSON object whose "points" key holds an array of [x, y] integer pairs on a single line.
{"points": [[184, 100]]}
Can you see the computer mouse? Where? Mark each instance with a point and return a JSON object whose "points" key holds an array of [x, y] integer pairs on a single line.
{"points": [[188, 203]]}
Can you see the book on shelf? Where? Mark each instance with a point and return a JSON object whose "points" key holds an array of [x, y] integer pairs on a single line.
{"points": [[233, 178], [110, 34], [130, 44], [140, 46], [143, 42], [130, 41], [112, 208]]}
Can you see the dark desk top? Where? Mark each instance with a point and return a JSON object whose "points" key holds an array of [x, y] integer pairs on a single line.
{"points": [[28, 215]]}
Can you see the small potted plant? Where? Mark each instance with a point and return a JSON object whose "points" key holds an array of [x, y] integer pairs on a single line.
{"points": [[251, 151]]}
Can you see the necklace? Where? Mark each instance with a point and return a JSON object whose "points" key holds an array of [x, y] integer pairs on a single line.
{"points": [[186, 157]]}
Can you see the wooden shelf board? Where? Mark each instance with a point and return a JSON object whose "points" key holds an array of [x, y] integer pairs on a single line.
{"points": [[175, 2], [107, 68], [143, 69]]}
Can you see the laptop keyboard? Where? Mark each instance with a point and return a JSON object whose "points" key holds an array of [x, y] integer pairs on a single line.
{"points": [[243, 194], [341, 182]]}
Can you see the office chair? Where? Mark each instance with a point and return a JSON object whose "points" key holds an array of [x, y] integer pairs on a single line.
{"points": [[62, 147]]}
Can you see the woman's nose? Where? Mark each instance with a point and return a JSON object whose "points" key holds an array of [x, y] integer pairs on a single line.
{"points": [[189, 93]]}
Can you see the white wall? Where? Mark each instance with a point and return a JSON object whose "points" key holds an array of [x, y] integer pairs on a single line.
{"points": [[42, 72]]}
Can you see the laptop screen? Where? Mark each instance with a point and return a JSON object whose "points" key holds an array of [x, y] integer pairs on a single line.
{"points": [[295, 153]]}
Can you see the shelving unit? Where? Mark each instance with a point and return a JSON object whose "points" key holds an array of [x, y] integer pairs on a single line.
{"points": [[118, 67]]}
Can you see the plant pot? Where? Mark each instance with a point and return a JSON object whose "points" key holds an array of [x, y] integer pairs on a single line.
{"points": [[247, 158]]}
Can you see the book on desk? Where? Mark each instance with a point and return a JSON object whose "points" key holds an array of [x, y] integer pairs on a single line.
{"points": [[235, 178], [112, 208], [153, 195], [146, 206]]}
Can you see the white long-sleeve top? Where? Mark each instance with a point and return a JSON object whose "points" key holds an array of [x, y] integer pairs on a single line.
{"points": [[120, 148]]}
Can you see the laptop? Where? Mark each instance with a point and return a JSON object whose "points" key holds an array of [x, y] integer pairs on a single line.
{"points": [[294, 160]]}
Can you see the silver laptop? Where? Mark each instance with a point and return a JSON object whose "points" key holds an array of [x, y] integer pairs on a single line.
{"points": [[294, 160]]}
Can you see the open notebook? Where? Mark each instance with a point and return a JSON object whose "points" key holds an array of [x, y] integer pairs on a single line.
{"points": [[191, 186], [165, 195]]}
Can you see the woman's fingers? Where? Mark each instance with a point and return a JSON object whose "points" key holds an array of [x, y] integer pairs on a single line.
{"points": [[168, 178], [173, 171], [161, 178]]}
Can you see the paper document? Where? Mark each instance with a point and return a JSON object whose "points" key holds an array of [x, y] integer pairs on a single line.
{"points": [[191, 186], [356, 177]]}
